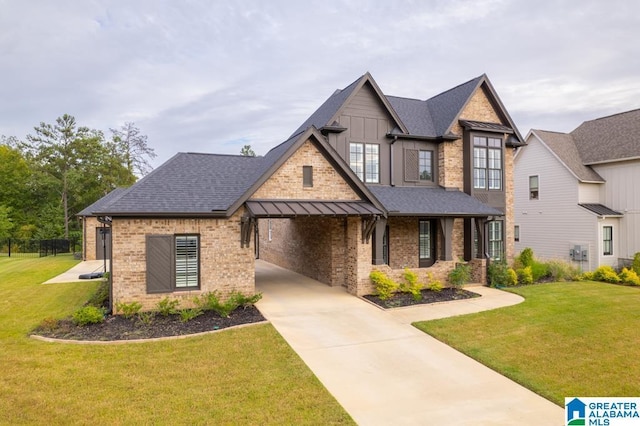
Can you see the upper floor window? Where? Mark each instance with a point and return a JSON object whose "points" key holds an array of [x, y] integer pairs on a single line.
{"points": [[487, 163], [307, 176], [418, 165], [364, 160], [533, 187]]}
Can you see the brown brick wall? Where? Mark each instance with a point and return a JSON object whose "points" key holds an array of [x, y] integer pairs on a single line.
{"points": [[89, 237], [286, 182], [224, 266]]}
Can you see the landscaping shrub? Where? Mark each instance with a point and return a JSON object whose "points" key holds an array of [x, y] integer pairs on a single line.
{"points": [[629, 276], [525, 275], [146, 317], [187, 315], [211, 302], [539, 270], [498, 274], [526, 257], [411, 284], [460, 275], [88, 315], [607, 274], [168, 306], [129, 310], [384, 286], [512, 277], [559, 270], [434, 285], [636, 263]]}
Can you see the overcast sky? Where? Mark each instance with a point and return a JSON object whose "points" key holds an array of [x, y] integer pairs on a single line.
{"points": [[211, 76]]}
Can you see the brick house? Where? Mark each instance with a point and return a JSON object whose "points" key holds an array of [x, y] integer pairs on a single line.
{"points": [[368, 181]]}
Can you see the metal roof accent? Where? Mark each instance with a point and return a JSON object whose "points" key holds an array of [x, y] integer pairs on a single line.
{"points": [[484, 126], [600, 210], [294, 208]]}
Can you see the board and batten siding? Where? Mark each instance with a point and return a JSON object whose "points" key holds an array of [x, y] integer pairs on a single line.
{"points": [[554, 223], [621, 192]]}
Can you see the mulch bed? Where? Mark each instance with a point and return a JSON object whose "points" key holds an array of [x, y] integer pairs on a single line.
{"points": [[116, 327], [428, 296]]}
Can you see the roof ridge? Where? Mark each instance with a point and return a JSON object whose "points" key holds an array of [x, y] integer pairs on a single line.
{"points": [[612, 115], [457, 87]]}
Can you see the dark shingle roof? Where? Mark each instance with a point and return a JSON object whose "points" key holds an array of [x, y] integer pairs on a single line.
{"points": [[415, 201], [98, 205], [600, 209], [564, 147], [414, 114], [609, 138], [189, 184], [446, 106]]}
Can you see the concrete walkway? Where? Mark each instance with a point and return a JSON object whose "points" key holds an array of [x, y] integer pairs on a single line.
{"points": [[384, 371], [73, 274]]}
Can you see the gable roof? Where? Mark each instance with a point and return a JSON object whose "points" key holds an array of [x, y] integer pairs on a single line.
{"points": [[98, 205], [563, 147], [611, 138]]}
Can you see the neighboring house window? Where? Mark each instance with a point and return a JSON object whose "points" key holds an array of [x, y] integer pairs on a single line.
{"points": [[533, 187], [487, 163], [307, 176], [607, 240], [173, 262], [186, 256], [418, 165], [364, 160], [496, 246], [516, 232]]}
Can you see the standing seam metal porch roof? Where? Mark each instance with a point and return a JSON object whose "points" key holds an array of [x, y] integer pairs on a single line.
{"points": [[294, 208]]}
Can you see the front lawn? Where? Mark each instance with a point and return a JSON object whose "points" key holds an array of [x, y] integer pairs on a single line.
{"points": [[242, 376], [566, 339]]}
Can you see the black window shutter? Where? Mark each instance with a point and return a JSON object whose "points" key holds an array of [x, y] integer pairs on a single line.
{"points": [[411, 169], [160, 263]]}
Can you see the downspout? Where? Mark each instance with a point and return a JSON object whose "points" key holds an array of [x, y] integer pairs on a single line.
{"points": [[391, 178]]}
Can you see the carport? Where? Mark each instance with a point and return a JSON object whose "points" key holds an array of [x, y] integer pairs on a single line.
{"points": [[324, 240]]}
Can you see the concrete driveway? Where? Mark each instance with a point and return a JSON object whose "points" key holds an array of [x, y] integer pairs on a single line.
{"points": [[384, 371]]}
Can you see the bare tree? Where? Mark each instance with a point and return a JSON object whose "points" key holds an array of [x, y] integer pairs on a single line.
{"points": [[134, 149]]}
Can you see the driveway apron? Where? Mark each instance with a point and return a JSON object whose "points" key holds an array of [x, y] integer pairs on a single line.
{"points": [[382, 370]]}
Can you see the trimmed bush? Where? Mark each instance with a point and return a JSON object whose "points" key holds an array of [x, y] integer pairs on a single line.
{"points": [[526, 257], [88, 315], [512, 277], [525, 275], [168, 306], [129, 310], [411, 284], [384, 286], [629, 276], [497, 274], [434, 285], [460, 275], [636, 263], [607, 274]]}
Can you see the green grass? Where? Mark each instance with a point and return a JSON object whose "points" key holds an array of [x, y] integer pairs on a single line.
{"points": [[565, 339], [242, 376]]}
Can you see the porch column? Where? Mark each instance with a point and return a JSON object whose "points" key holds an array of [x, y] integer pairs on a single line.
{"points": [[378, 257], [480, 223], [446, 225]]}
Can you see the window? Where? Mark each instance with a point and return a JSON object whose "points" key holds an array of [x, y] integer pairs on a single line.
{"points": [[425, 166], [186, 256], [173, 263], [607, 240], [426, 243], [364, 160], [533, 187], [496, 246], [487, 163], [307, 176], [418, 165], [516, 233]]}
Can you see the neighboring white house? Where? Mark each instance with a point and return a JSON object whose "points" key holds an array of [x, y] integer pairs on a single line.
{"points": [[577, 194]]}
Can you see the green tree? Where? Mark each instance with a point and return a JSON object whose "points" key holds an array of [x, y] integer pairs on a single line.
{"points": [[15, 177], [133, 148], [6, 224], [247, 151]]}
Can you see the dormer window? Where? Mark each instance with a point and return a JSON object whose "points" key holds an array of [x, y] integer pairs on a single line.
{"points": [[487, 163]]}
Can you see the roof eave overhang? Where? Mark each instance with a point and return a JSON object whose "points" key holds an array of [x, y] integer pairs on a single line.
{"points": [[446, 214], [612, 160], [444, 138], [212, 214]]}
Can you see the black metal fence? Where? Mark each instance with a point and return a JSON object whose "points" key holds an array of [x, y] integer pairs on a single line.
{"points": [[37, 248]]}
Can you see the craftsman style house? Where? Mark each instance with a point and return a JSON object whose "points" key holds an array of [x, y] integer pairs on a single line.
{"points": [[577, 195], [367, 181]]}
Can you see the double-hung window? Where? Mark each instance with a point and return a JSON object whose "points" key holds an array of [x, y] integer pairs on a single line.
{"points": [[607, 240], [364, 160], [487, 163], [496, 245], [534, 187]]}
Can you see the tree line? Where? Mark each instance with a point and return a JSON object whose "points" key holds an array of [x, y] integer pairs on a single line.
{"points": [[60, 169]]}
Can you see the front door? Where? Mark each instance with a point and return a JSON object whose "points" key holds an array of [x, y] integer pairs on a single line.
{"points": [[426, 242]]}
